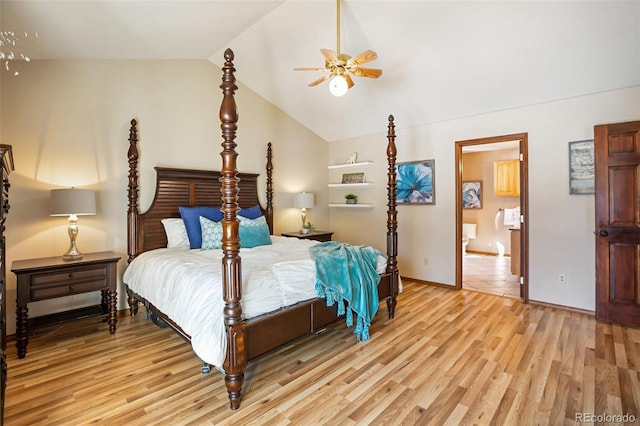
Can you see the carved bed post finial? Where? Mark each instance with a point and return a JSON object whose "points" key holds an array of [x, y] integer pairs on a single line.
{"points": [[236, 360], [392, 217], [269, 215]]}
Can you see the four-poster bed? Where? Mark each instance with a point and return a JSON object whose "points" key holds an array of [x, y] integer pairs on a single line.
{"points": [[245, 338]]}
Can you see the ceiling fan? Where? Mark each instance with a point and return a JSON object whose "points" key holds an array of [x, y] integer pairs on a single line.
{"points": [[341, 66]]}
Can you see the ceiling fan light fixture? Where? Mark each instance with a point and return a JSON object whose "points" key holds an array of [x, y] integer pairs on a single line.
{"points": [[341, 67], [338, 86]]}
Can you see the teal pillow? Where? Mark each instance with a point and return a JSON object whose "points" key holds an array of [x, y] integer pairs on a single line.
{"points": [[211, 234], [254, 232]]}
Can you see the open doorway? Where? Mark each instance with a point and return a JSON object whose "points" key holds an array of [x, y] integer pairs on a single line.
{"points": [[492, 215]]}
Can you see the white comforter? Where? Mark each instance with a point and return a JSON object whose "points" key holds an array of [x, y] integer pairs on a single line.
{"points": [[187, 286]]}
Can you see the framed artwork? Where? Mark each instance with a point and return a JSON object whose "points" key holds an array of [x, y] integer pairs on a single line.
{"points": [[472, 194], [581, 167], [415, 182], [353, 178]]}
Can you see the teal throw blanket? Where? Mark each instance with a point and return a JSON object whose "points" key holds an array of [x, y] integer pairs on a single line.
{"points": [[346, 275]]}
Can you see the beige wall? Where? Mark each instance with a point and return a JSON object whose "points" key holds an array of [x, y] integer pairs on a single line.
{"points": [[479, 166], [561, 225], [68, 123]]}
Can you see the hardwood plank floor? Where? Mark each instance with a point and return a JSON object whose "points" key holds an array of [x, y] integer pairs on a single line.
{"points": [[447, 358]]}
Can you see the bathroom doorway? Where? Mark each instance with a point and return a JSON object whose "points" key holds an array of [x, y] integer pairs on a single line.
{"points": [[491, 215]]}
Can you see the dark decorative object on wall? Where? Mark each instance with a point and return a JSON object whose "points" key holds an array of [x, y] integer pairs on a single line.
{"points": [[416, 182]]}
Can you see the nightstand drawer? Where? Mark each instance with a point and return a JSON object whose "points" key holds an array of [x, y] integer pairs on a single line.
{"points": [[69, 277], [66, 289]]}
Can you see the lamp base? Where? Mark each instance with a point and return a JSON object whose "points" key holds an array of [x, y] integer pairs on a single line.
{"points": [[72, 253], [72, 256]]}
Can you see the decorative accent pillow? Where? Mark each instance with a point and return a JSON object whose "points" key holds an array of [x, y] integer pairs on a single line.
{"points": [[191, 218], [176, 233], [251, 212], [254, 232], [211, 234]]}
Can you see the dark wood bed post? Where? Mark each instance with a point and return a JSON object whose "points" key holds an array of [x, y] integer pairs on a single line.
{"points": [[269, 213], [392, 218], [132, 212], [236, 360]]}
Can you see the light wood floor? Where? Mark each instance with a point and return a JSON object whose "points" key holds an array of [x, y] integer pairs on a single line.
{"points": [[447, 358]]}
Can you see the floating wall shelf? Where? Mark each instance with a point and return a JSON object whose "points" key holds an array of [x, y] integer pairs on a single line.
{"points": [[351, 185], [352, 206], [342, 166]]}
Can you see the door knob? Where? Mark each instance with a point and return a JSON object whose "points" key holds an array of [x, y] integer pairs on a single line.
{"points": [[603, 233]]}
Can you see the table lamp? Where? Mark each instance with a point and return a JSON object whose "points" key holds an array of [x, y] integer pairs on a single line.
{"points": [[73, 202], [303, 201]]}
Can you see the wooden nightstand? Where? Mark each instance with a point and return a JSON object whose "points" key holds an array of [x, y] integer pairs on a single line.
{"points": [[312, 235], [51, 277]]}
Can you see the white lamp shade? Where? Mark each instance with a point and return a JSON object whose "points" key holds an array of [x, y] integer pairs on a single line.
{"points": [[303, 200], [65, 202]]}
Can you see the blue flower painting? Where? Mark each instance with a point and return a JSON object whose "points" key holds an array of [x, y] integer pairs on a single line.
{"points": [[415, 182], [472, 195]]}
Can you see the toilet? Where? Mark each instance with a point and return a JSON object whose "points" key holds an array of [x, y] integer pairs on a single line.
{"points": [[468, 233]]}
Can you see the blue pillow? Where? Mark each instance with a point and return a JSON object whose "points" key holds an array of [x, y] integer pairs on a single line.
{"points": [[254, 232], [191, 218], [251, 212], [211, 234]]}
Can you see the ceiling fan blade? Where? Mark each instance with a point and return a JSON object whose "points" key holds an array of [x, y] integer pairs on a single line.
{"points": [[320, 80], [349, 80], [364, 57], [329, 55], [368, 72], [309, 69]]}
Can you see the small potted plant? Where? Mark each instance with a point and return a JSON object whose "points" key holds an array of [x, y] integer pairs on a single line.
{"points": [[308, 227], [351, 198]]}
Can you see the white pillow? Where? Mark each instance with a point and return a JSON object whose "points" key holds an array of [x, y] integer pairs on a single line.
{"points": [[176, 233]]}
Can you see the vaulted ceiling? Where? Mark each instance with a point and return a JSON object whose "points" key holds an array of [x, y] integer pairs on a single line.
{"points": [[442, 60]]}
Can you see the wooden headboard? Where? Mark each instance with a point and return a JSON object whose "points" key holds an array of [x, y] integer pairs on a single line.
{"points": [[181, 187]]}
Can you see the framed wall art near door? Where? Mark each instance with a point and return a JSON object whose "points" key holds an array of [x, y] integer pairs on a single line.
{"points": [[472, 194], [415, 182], [581, 167]]}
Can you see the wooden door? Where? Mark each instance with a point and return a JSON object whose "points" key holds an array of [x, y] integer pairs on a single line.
{"points": [[617, 198]]}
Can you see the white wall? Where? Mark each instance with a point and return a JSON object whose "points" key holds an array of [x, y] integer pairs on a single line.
{"points": [[68, 123], [561, 225]]}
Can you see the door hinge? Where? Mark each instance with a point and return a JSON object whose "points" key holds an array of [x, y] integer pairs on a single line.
{"points": [[521, 157], [521, 280]]}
